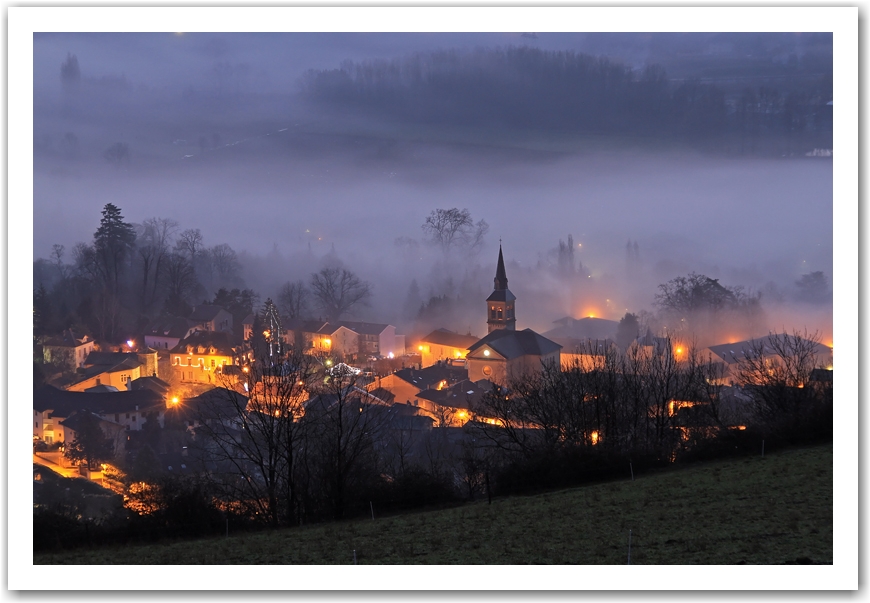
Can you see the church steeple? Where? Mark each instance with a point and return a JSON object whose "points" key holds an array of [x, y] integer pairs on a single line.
{"points": [[500, 275], [500, 310]]}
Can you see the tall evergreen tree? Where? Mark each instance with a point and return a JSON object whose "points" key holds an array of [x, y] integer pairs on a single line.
{"points": [[113, 242]]}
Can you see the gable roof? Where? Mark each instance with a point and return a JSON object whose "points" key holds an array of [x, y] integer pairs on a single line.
{"points": [[155, 384], [424, 378], [449, 338], [101, 389], [464, 394], [74, 421], [171, 327], [306, 326], [205, 312], [217, 403], [109, 360], [64, 402], [220, 340], [67, 339], [363, 328], [731, 353], [514, 344]]}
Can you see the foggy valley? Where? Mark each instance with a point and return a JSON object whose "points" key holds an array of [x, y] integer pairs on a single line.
{"points": [[221, 138]]}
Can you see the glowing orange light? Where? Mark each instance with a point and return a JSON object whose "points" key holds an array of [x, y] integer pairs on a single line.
{"points": [[594, 437], [175, 399]]}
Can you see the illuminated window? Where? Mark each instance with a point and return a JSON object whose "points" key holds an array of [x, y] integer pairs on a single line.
{"points": [[499, 314]]}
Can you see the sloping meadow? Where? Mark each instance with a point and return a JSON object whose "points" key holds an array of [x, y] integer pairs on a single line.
{"points": [[772, 510]]}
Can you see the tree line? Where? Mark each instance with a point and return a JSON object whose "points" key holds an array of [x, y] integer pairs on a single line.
{"points": [[526, 87], [115, 286]]}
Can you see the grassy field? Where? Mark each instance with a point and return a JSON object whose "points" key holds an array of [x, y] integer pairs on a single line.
{"points": [[774, 510]]}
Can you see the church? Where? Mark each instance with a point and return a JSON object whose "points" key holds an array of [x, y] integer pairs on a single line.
{"points": [[505, 352]]}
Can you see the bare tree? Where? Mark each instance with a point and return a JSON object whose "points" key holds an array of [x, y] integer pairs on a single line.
{"points": [[152, 244], [454, 228], [181, 283], [225, 263], [293, 299], [252, 438], [190, 243], [776, 370], [337, 291], [344, 422], [57, 253]]}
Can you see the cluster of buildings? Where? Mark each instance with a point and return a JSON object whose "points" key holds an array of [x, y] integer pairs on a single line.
{"points": [[122, 388]]}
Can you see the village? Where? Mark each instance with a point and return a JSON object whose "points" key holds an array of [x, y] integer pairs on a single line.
{"points": [[189, 386]]}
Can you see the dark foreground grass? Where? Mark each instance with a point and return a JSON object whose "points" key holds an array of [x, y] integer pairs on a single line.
{"points": [[757, 511]]}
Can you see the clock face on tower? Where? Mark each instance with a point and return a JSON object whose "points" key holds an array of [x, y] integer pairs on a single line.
{"points": [[487, 370]]}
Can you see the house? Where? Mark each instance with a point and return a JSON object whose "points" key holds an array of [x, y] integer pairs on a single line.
{"points": [[211, 318], [67, 350], [730, 354], [201, 356], [311, 336], [505, 352], [248, 327], [112, 431], [118, 375], [376, 339], [442, 344], [405, 385], [339, 340], [112, 369], [347, 338], [164, 334], [453, 406], [218, 405], [586, 354], [129, 409]]}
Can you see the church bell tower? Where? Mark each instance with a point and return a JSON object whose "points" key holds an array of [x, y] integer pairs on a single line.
{"points": [[500, 305]]}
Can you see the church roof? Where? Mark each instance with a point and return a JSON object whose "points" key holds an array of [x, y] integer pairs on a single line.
{"points": [[501, 295], [513, 344]]}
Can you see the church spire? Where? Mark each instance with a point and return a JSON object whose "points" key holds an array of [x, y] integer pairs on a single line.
{"points": [[500, 275], [501, 302]]}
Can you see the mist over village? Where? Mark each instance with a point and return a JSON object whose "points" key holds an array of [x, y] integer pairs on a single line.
{"points": [[407, 298]]}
